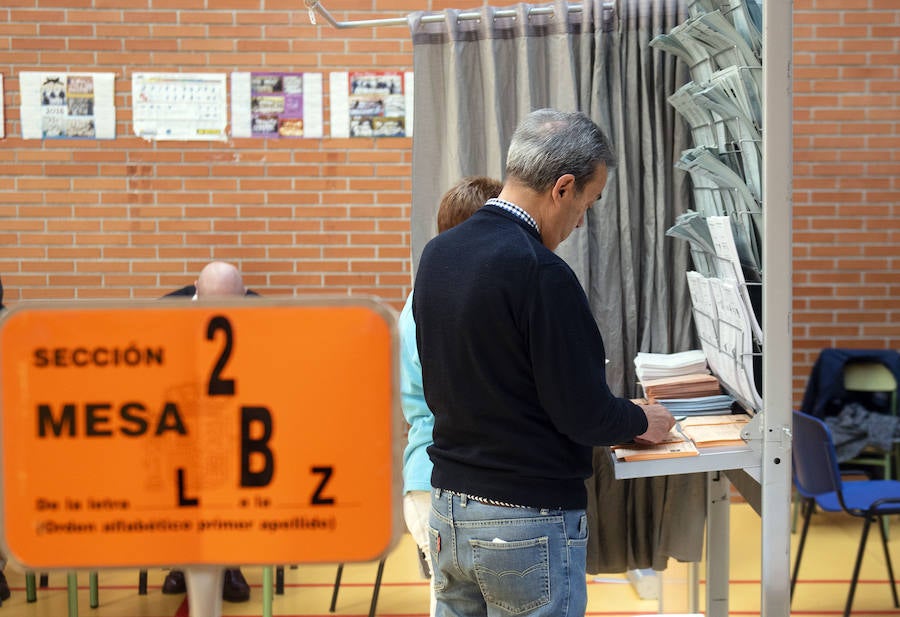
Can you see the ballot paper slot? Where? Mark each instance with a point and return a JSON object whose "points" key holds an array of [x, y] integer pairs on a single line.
{"points": [[736, 207], [703, 69], [731, 95], [722, 250], [719, 190], [744, 15], [730, 354], [710, 264], [725, 7], [717, 134], [726, 267]]}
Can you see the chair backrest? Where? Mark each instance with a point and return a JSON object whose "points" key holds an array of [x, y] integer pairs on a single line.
{"points": [[871, 377], [815, 466]]}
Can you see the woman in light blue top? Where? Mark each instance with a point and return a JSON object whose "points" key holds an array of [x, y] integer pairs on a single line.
{"points": [[457, 204]]}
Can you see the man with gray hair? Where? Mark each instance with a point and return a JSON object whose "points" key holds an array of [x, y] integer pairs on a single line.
{"points": [[513, 367]]}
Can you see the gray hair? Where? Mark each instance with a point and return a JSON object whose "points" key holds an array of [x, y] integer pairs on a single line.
{"points": [[550, 143]]}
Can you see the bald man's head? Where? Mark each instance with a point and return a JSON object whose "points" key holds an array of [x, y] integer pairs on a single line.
{"points": [[219, 279]]}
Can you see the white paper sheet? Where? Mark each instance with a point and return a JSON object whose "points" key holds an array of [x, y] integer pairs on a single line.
{"points": [[729, 266], [339, 98]]}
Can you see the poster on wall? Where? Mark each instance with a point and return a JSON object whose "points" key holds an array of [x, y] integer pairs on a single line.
{"points": [[275, 105], [179, 106], [67, 105], [371, 104]]}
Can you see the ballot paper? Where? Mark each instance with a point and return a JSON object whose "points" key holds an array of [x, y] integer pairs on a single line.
{"points": [[661, 365], [707, 42], [719, 404], [735, 354], [731, 268], [691, 226], [715, 435], [720, 191], [681, 386], [706, 318], [747, 24], [674, 445]]}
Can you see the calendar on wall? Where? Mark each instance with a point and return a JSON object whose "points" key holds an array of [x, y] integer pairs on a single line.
{"points": [[67, 105], [179, 106]]}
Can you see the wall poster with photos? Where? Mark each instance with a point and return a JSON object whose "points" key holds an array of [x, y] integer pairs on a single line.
{"points": [[273, 105], [371, 104], [67, 105]]}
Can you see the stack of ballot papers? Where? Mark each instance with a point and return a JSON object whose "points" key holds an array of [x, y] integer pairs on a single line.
{"points": [[660, 365], [688, 437], [717, 431], [717, 405], [682, 386], [675, 445]]}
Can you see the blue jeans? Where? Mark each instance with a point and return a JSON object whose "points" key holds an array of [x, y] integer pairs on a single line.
{"points": [[498, 561]]}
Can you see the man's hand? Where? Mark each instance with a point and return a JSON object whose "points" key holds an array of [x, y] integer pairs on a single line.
{"points": [[659, 422]]}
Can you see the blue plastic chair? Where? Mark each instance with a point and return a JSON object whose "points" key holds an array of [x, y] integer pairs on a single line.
{"points": [[820, 483]]}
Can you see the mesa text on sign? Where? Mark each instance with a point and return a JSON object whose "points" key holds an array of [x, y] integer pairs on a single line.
{"points": [[175, 432]]}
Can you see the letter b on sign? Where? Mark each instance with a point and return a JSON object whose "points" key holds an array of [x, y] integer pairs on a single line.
{"points": [[256, 445]]}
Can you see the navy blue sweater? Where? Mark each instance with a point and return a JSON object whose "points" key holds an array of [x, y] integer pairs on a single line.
{"points": [[513, 366]]}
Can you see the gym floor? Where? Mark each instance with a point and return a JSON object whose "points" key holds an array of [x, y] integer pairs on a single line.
{"points": [[821, 590]]}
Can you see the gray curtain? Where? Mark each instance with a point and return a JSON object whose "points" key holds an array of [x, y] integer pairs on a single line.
{"points": [[475, 79]]}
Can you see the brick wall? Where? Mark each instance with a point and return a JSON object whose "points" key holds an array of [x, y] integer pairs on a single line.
{"points": [[132, 219], [846, 178], [127, 218]]}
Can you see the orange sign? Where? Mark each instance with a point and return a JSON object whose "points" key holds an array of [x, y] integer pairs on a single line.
{"points": [[186, 433]]}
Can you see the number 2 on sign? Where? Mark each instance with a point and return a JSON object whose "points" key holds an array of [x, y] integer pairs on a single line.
{"points": [[217, 385]]}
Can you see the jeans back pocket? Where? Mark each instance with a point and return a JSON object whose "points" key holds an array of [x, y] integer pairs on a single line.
{"points": [[514, 576], [434, 546]]}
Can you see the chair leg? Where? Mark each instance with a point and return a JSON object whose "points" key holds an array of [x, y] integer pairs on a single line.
{"points": [[337, 586], [72, 584], [890, 567], [142, 583], [94, 584], [795, 511], [807, 506], [267, 591], [888, 475], [30, 588], [859, 556], [279, 581], [377, 587]]}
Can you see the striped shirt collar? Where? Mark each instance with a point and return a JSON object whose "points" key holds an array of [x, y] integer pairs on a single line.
{"points": [[514, 210]]}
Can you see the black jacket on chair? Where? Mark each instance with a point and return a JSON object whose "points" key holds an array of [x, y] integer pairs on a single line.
{"points": [[191, 290], [825, 393]]}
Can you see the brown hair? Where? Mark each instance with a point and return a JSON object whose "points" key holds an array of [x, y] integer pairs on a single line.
{"points": [[463, 199]]}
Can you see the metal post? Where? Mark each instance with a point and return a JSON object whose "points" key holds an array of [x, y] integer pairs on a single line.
{"points": [[775, 468]]}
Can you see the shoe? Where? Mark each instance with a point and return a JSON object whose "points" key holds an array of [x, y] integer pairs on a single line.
{"points": [[235, 588], [174, 582], [4, 588]]}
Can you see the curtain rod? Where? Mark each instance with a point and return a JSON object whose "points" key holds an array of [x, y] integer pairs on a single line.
{"points": [[314, 6]]}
